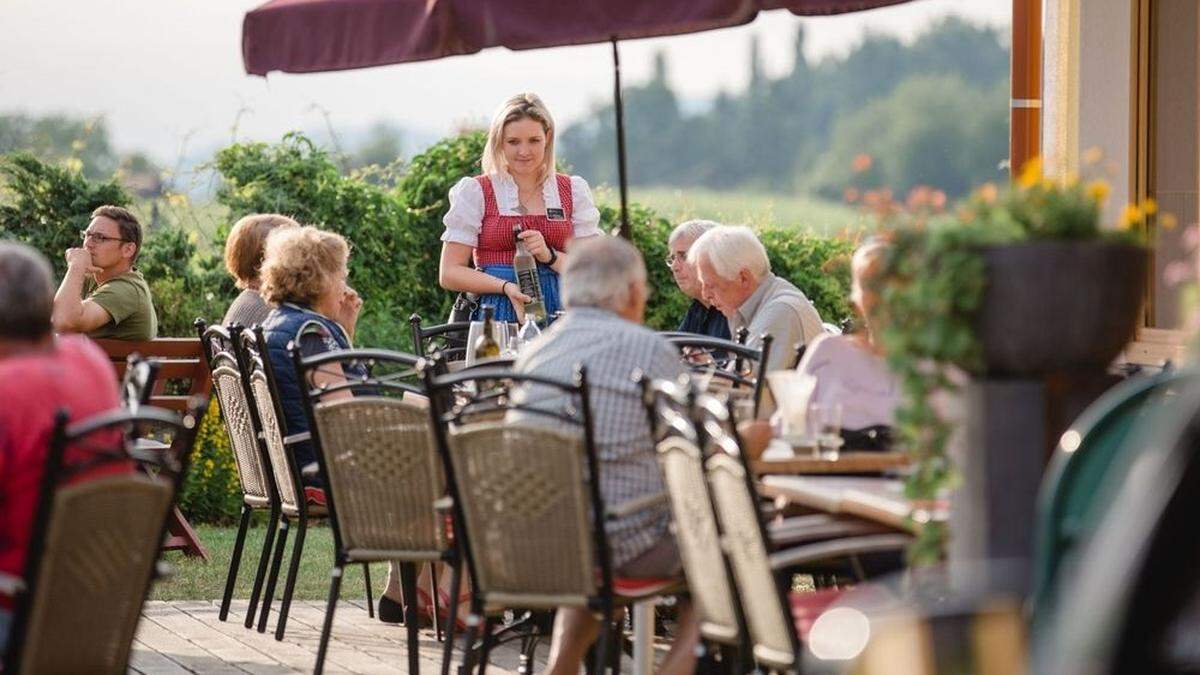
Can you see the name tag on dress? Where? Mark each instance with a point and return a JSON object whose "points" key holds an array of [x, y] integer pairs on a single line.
{"points": [[556, 214]]}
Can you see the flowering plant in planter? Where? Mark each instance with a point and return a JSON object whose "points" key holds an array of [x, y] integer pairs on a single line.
{"points": [[949, 285]]}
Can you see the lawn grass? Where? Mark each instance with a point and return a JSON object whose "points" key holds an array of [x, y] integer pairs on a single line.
{"points": [[194, 579], [758, 209]]}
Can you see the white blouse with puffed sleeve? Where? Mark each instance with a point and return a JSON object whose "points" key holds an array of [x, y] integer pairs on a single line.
{"points": [[465, 216]]}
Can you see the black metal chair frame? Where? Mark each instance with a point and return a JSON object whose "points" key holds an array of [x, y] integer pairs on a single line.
{"points": [[740, 354], [394, 383], [421, 336], [220, 345], [445, 413], [137, 384], [251, 348], [174, 461]]}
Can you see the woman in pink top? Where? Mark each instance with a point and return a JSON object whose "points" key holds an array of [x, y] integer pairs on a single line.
{"points": [[849, 369]]}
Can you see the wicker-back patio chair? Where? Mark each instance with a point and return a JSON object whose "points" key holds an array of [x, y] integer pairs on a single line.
{"points": [[249, 453], [669, 406], [524, 494], [289, 484], [96, 539], [382, 474], [761, 577]]}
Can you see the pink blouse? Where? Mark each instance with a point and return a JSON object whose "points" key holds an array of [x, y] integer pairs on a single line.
{"points": [[858, 378]]}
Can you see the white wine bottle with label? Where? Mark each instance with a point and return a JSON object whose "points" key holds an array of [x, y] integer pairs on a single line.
{"points": [[527, 277]]}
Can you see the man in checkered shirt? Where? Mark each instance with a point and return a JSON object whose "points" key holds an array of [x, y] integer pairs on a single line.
{"points": [[604, 289]]}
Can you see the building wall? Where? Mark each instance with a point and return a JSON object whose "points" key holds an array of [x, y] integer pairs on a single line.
{"points": [[1105, 71], [1176, 148]]}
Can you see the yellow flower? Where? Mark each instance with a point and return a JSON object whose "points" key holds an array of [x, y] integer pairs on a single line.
{"points": [[1093, 155], [1149, 207], [1098, 190], [1130, 216], [1071, 180], [1031, 173], [1168, 221], [988, 193]]}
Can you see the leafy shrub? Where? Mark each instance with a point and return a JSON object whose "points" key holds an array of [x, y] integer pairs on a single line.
{"points": [[424, 190], [211, 492], [47, 206], [818, 266], [297, 178], [183, 283], [667, 304]]}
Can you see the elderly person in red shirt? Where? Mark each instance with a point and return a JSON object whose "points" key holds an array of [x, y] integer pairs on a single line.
{"points": [[39, 374]]}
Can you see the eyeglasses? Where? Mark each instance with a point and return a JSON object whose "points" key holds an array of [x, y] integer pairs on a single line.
{"points": [[98, 237], [673, 258]]}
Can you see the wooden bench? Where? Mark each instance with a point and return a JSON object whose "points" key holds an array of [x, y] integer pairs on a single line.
{"points": [[1154, 347], [182, 368]]}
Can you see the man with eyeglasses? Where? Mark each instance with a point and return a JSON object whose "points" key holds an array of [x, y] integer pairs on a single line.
{"points": [[102, 294], [702, 318]]}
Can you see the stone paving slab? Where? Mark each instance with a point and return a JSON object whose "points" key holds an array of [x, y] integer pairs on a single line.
{"points": [[175, 638]]}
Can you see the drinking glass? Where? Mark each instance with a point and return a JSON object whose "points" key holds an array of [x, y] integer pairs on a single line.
{"points": [[827, 428], [793, 392], [743, 409], [506, 337]]}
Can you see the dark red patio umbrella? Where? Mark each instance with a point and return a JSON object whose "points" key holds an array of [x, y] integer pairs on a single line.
{"points": [[306, 36]]}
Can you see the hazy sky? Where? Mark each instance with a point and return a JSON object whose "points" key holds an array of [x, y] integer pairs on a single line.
{"points": [[162, 71]]}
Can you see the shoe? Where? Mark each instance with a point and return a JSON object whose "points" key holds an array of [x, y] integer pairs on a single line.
{"points": [[390, 611]]}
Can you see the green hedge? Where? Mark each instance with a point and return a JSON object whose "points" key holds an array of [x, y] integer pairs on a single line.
{"points": [[296, 178]]}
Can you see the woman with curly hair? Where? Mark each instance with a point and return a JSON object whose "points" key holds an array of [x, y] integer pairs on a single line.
{"points": [[304, 279]]}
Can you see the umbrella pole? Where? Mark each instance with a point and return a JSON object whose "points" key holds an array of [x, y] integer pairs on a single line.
{"points": [[619, 107]]}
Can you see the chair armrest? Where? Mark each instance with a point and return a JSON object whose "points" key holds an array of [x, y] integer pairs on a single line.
{"points": [[632, 506], [839, 548], [297, 438], [10, 584]]}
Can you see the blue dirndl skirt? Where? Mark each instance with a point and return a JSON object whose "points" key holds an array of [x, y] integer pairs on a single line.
{"points": [[501, 307]]}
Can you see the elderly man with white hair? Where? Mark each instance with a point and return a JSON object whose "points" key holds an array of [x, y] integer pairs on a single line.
{"points": [[701, 318], [603, 287], [735, 276]]}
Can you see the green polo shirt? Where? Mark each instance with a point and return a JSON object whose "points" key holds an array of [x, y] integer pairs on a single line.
{"points": [[126, 298]]}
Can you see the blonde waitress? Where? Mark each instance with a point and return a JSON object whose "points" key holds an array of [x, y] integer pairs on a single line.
{"points": [[518, 187]]}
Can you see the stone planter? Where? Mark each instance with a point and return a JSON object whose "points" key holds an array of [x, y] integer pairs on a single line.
{"points": [[1059, 307]]}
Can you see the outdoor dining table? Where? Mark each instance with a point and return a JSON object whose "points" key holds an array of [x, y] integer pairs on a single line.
{"points": [[877, 498], [847, 462]]}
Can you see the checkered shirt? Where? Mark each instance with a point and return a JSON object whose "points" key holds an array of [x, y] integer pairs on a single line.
{"points": [[611, 349]]}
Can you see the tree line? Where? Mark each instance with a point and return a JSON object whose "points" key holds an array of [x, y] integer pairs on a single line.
{"points": [[886, 114]]}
